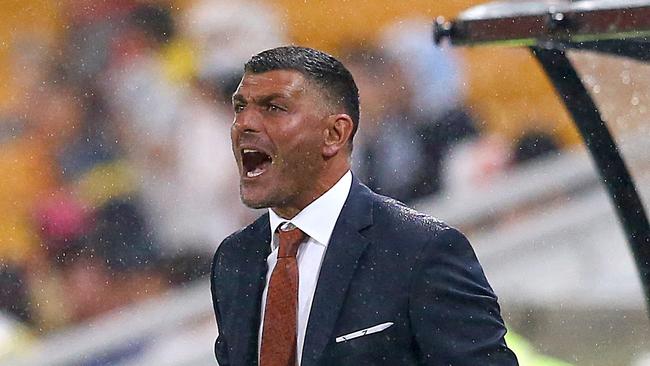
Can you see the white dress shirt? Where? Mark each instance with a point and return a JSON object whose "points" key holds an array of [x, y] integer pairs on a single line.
{"points": [[317, 220]]}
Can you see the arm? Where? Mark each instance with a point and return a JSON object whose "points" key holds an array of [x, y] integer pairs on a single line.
{"points": [[453, 311]]}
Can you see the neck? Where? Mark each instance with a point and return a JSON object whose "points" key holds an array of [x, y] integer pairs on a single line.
{"points": [[320, 186]]}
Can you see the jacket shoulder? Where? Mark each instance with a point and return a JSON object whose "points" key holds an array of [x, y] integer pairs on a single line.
{"points": [[400, 217], [246, 232], [250, 237], [426, 236]]}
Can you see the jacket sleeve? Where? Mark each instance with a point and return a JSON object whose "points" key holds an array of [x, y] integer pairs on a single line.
{"points": [[453, 311], [220, 345]]}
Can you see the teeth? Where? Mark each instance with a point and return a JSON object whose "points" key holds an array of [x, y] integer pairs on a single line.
{"points": [[246, 151], [255, 173]]}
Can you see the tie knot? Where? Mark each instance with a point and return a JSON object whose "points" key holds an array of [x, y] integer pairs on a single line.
{"points": [[290, 240]]}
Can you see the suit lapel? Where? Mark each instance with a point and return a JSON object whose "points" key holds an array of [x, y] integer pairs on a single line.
{"points": [[343, 252], [249, 293]]}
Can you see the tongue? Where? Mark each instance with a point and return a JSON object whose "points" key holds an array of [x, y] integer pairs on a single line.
{"points": [[257, 170]]}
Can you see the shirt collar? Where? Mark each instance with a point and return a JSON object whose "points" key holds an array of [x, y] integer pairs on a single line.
{"points": [[317, 220]]}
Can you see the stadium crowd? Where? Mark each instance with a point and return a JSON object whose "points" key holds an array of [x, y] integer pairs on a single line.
{"points": [[117, 177]]}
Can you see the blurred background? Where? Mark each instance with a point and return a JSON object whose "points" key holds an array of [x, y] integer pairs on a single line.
{"points": [[117, 181]]}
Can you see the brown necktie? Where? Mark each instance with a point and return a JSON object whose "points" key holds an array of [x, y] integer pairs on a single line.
{"points": [[279, 333]]}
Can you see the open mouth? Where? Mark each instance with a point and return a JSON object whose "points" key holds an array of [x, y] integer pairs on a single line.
{"points": [[255, 162]]}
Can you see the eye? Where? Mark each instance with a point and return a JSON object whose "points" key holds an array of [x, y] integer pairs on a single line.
{"points": [[238, 107], [274, 108]]}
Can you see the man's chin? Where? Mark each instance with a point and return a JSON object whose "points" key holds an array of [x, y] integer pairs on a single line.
{"points": [[254, 204], [254, 201]]}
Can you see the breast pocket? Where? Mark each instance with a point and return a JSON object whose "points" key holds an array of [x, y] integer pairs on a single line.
{"points": [[377, 341], [364, 332]]}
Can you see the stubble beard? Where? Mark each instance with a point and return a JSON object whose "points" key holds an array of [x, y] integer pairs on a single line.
{"points": [[271, 200]]}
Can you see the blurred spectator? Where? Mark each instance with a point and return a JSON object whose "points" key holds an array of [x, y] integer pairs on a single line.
{"points": [[413, 112], [436, 103], [177, 135], [93, 25], [122, 238], [47, 118], [14, 294], [475, 163], [95, 140], [86, 280], [433, 73], [147, 108], [206, 204], [58, 132], [62, 220], [228, 33], [533, 145], [388, 149]]}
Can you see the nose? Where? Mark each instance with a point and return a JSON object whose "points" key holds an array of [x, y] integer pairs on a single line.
{"points": [[247, 121]]}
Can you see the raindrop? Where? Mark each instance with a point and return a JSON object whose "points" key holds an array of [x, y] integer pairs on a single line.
{"points": [[625, 77]]}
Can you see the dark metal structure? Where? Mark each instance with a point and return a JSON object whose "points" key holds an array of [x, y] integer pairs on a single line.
{"points": [[548, 29]]}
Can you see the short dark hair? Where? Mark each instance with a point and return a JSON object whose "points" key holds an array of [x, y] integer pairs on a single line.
{"points": [[317, 66]]}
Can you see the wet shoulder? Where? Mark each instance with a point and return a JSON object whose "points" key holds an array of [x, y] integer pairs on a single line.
{"points": [[248, 238], [403, 219]]}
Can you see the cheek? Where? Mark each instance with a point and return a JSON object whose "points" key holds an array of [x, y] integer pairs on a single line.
{"points": [[233, 138], [297, 138], [308, 157], [302, 146], [233, 132]]}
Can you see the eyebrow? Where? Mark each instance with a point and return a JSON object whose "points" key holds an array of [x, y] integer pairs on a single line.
{"points": [[261, 99], [238, 98]]}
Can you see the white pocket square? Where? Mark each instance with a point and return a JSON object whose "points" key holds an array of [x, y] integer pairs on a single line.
{"points": [[363, 332]]}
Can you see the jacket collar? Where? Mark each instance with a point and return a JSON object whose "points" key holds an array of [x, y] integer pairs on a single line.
{"points": [[345, 248], [255, 247]]}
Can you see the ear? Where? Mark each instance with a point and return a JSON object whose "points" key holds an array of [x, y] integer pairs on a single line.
{"points": [[337, 133]]}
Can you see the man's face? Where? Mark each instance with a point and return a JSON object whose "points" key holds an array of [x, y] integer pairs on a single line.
{"points": [[277, 139]]}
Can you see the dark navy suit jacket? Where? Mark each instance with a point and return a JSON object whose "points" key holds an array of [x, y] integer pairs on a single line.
{"points": [[384, 263]]}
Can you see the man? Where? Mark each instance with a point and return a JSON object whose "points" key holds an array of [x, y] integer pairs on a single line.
{"points": [[373, 282]]}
